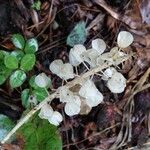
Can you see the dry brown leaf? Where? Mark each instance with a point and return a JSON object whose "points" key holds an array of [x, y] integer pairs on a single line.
{"points": [[143, 57], [145, 11], [10, 147]]}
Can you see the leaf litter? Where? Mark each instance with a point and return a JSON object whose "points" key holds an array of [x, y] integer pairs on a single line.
{"points": [[121, 120]]}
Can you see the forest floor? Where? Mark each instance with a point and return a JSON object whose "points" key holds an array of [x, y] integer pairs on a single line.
{"points": [[123, 120]]}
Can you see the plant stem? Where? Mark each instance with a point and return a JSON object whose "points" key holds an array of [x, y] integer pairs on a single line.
{"points": [[70, 84]]}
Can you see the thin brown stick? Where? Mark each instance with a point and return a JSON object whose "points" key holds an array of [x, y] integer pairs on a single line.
{"points": [[96, 134]]}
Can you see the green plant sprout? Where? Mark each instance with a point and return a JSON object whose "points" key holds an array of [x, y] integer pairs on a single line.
{"points": [[15, 65], [36, 5]]}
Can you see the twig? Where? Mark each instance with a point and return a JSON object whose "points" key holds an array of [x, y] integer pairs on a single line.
{"points": [[126, 123], [97, 20], [49, 19], [125, 19], [70, 84], [144, 146], [27, 117], [96, 134]]}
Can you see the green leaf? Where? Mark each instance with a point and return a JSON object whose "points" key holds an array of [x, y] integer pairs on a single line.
{"points": [[36, 5], [3, 54], [17, 78], [5, 126], [31, 46], [32, 82], [18, 41], [28, 62], [11, 62], [24, 97], [78, 35], [39, 134], [5, 71], [40, 94], [18, 54], [2, 79]]}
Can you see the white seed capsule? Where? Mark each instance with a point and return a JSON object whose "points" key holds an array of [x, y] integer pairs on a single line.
{"points": [[99, 45], [91, 94], [117, 83], [42, 80], [124, 39], [64, 71], [75, 54], [73, 106], [56, 118]]}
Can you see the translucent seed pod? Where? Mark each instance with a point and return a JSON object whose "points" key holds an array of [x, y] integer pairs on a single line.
{"points": [[124, 39]]}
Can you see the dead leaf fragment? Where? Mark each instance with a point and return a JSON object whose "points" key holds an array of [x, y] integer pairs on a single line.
{"points": [[145, 11]]}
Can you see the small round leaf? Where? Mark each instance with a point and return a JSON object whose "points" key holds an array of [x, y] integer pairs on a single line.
{"points": [[6, 124], [17, 78], [11, 62], [2, 79], [32, 82], [24, 97], [18, 41], [40, 94], [18, 54], [28, 62], [31, 46], [5, 71]]}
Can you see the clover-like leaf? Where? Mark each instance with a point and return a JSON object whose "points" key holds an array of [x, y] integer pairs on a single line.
{"points": [[31, 46], [36, 5], [11, 62], [5, 71], [40, 94], [28, 62], [18, 54], [17, 78], [18, 41], [5, 126], [2, 79], [2, 54], [77, 35], [32, 82], [24, 97]]}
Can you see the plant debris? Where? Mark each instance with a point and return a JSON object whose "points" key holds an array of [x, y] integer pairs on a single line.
{"points": [[49, 46]]}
